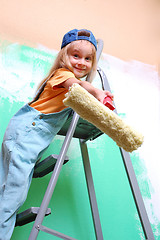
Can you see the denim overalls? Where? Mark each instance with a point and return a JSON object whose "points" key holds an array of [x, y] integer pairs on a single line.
{"points": [[27, 136]]}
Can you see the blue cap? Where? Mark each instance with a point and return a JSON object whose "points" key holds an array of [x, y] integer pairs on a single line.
{"points": [[75, 34]]}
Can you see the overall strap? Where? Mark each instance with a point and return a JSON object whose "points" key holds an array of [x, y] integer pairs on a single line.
{"points": [[39, 91]]}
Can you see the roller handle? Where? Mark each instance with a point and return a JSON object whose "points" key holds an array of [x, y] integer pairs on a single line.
{"points": [[108, 103]]}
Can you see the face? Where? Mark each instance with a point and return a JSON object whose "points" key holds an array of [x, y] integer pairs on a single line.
{"points": [[80, 55]]}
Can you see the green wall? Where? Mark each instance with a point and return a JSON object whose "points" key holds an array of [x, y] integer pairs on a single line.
{"points": [[71, 213]]}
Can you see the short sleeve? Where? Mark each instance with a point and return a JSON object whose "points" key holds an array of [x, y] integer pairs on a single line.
{"points": [[60, 76]]}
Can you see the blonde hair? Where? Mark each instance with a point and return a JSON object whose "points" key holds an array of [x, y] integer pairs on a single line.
{"points": [[62, 61]]}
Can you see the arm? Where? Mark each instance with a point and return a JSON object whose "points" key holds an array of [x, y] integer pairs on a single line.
{"points": [[97, 93]]}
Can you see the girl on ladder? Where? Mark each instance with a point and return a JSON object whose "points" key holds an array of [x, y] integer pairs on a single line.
{"points": [[34, 126]]}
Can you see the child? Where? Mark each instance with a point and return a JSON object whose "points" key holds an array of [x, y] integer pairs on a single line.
{"points": [[34, 126]]}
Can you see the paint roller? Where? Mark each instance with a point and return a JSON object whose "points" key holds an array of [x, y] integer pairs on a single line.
{"points": [[92, 110]]}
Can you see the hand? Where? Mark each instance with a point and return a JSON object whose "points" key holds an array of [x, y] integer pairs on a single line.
{"points": [[101, 94], [109, 94]]}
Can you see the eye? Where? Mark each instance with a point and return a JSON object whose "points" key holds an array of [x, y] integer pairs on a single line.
{"points": [[76, 56], [88, 59]]}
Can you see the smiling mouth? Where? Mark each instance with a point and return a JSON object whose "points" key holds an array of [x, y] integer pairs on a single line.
{"points": [[80, 69]]}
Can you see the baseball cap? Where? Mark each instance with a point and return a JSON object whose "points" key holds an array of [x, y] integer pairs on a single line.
{"points": [[75, 34]]}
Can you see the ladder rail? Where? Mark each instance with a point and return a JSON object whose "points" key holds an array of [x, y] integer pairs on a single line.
{"points": [[146, 226], [91, 190], [54, 178]]}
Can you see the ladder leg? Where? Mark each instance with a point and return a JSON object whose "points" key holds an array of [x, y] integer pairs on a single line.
{"points": [[132, 177], [53, 180], [91, 191], [137, 196]]}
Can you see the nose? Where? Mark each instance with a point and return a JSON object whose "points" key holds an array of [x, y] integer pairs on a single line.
{"points": [[81, 62]]}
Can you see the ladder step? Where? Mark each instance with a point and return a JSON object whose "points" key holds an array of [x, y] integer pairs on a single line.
{"points": [[84, 129], [28, 216], [46, 166]]}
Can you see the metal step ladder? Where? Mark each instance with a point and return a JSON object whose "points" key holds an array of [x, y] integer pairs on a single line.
{"points": [[84, 131]]}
